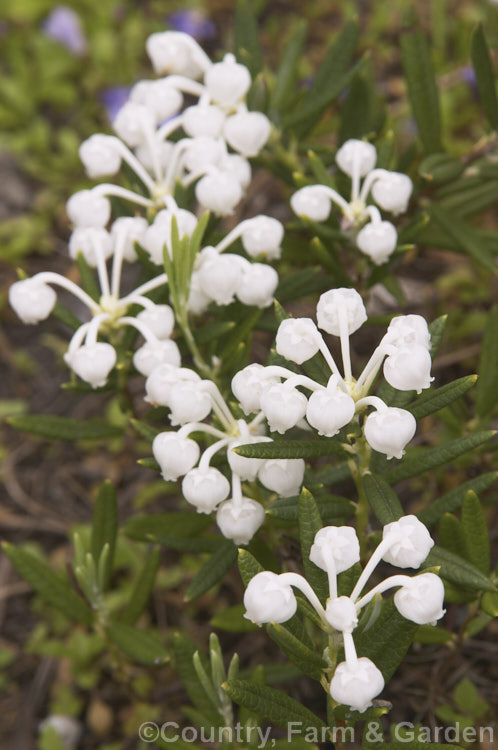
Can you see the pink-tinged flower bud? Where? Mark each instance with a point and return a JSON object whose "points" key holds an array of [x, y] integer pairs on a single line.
{"points": [[263, 236], [99, 155], [92, 362], [162, 378], [174, 52], [236, 166], [356, 684], [283, 476], [258, 285], [132, 122], [359, 153], [246, 468], [421, 600], [89, 241], [227, 82], [283, 407], [220, 276], [203, 119], [202, 153], [219, 192], [88, 209], [239, 521], [32, 300], [392, 192], [409, 368], [389, 431], [248, 385], [378, 240], [341, 614], [247, 132], [205, 489], [297, 339], [328, 410], [410, 542], [405, 330], [311, 202], [188, 402], [159, 97], [155, 353], [160, 320], [338, 542], [267, 599], [134, 227], [175, 455], [347, 300]]}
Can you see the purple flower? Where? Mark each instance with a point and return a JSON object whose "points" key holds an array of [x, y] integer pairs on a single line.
{"points": [[64, 25], [113, 99], [192, 22]]}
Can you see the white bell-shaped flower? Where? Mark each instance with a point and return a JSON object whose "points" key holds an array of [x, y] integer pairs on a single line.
{"points": [[343, 299], [247, 132], [88, 209], [258, 285], [339, 542], [405, 330], [175, 455], [248, 385], [174, 52], [239, 521], [282, 475], [378, 240], [392, 192], [162, 378], [246, 468], [219, 192], [189, 402], [227, 82], [99, 155], [205, 488], [159, 97], [131, 123], [89, 241], [162, 153], [236, 166], [32, 300], [356, 684], [92, 362], [283, 407], [159, 233], [311, 202], [341, 614], [410, 542], [134, 228], [421, 599], [155, 353], [220, 276], [203, 119], [297, 339], [355, 154], [330, 409], [160, 320], [389, 431], [409, 368], [202, 153], [268, 599], [263, 236], [198, 300]]}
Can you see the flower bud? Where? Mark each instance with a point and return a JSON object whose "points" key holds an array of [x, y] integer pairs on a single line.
{"points": [[410, 542], [202, 153], [205, 488], [359, 153], [247, 132], [248, 385], [173, 52], [377, 240], [220, 276], [258, 285], [134, 227], [219, 192], [189, 402], [32, 300], [356, 684], [311, 202], [92, 362], [239, 521], [405, 330], [160, 320], [154, 353], [85, 240], [197, 299], [236, 166], [328, 410], [175, 455], [99, 155], [421, 600], [341, 614], [159, 97], [329, 304], [282, 475], [227, 82], [297, 339], [162, 378], [392, 192], [203, 119], [246, 468], [263, 236], [283, 407], [88, 209], [409, 368], [163, 151], [267, 599], [131, 123], [390, 430], [159, 233], [338, 542]]}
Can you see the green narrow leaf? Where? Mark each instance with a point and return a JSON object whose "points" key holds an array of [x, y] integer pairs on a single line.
{"points": [[422, 89], [166, 525], [387, 640], [138, 645], [290, 449], [475, 530], [464, 236], [305, 658], [286, 80], [485, 77], [309, 524], [105, 528], [453, 499], [435, 399], [382, 499], [486, 390], [142, 588], [184, 650], [52, 589], [436, 329], [212, 571], [458, 571], [63, 428], [145, 430], [246, 37], [88, 280], [450, 534], [329, 507], [248, 566]]}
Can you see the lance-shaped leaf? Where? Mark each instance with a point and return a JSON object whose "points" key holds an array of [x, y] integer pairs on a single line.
{"points": [[475, 531], [105, 529], [248, 566], [139, 645], [180, 531], [458, 571], [184, 650], [142, 588], [64, 428], [485, 77], [290, 449], [382, 499], [284, 89], [387, 640], [309, 524], [464, 236], [453, 499], [246, 37], [330, 507], [435, 399], [212, 571], [308, 660], [486, 390]]}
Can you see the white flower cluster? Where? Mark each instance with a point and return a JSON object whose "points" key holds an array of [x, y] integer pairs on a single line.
{"points": [[405, 544], [404, 349], [219, 121], [192, 400], [391, 191]]}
